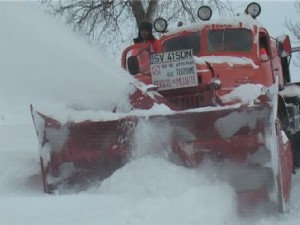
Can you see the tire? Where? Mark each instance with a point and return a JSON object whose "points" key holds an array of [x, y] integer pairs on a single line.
{"points": [[295, 142]]}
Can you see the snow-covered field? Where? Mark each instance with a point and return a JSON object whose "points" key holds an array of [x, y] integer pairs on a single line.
{"points": [[41, 62]]}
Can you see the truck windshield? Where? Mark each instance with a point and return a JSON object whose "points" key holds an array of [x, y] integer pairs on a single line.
{"points": [[229, 40], [189, 41]]}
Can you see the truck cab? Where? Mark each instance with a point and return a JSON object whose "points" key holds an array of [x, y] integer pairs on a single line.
{"points": [[226, 54]]}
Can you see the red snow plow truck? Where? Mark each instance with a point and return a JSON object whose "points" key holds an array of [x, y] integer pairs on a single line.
{"points": [[227, 87]]}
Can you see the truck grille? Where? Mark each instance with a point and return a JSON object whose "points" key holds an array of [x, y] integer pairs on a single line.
{"points": [[187, 98]]}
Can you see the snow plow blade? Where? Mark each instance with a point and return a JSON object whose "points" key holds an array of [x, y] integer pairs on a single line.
{"points": [[235, 140]]}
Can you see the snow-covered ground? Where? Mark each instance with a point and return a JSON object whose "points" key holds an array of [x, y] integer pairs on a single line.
{"points": [[41, 62]]}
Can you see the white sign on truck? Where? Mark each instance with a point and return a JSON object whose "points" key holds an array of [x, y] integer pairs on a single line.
{"points": [[171, 70]]}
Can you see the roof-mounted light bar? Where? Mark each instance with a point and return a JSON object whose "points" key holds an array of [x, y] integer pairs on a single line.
{"points": [[204, 13], [253, 9]]}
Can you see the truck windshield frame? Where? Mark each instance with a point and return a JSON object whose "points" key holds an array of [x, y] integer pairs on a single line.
{"points": [[229, 40], [188, 41]]}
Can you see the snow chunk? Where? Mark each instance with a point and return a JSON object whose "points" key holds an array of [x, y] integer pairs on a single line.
{"points": [[243, 20], [230, 60], [246, 94]]}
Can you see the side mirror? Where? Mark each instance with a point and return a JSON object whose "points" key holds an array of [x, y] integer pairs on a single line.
{"points": [[133, 65], [284, 47]]}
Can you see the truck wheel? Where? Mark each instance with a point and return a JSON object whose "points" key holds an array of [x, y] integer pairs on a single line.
{"points": [[295, 142]]}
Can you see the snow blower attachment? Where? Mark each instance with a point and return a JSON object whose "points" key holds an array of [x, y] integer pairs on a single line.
{"points": [[224, 107]]}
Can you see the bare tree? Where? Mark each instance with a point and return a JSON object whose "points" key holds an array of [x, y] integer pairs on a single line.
{"points": [[294, 28], [108, 21]]}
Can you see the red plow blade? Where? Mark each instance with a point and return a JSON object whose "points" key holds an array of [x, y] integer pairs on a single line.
{"points": [[233, 139]]}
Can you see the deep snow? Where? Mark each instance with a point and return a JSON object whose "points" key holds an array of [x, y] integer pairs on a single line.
{"points": [[41, 62]]}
